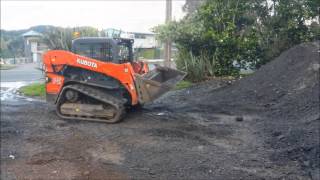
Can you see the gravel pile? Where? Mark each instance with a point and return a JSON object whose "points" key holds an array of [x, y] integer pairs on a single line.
{"points": [[286, 93]]}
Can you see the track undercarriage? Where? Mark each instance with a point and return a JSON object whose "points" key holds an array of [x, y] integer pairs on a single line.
{"points": [[89, 103]]}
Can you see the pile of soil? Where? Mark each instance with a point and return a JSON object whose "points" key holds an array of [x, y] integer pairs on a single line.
{"points": [[284, 94]]}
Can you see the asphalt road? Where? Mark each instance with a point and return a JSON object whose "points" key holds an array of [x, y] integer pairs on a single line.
{"points": [[23, 72], [13, 79]]}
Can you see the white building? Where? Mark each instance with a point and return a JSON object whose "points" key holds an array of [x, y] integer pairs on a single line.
{"points": [[33, 46], [144, 40], [141, 40]]}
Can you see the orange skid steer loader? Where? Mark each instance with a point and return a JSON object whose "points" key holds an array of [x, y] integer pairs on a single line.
{"points": [[99, 79]]}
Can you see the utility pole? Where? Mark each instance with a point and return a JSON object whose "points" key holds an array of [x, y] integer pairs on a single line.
{"points": [[167, 46]]}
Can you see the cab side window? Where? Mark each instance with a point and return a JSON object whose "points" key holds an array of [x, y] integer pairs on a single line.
{"points": [[83, 50], [98, 51]]}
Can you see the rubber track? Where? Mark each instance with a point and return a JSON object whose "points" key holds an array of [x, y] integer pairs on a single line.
{"points": [[96, 94]]}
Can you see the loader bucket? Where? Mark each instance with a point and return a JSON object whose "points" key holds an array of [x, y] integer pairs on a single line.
{"points": [[155, 83]]}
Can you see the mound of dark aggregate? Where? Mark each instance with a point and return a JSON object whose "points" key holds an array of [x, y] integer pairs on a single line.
{"points": [[286, 92]]}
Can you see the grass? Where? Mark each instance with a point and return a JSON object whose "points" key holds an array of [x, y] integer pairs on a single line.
{"points": [[183, 84], [36, 89], [6, 66]]}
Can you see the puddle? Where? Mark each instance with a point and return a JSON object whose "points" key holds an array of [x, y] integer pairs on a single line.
{"points": [[9, 91]]}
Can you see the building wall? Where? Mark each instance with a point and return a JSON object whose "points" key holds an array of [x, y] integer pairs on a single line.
{"points": [[141, 40], [31, 44], [145, 41], [34, 47], [27, 49]]}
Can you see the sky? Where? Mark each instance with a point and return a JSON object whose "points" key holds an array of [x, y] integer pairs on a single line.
{"points": [[127, 15]]}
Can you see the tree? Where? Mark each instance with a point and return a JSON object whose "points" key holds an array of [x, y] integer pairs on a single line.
{"points": [[227, 35], [192, 5], [287, 25], [221, 31], [61, 38], [12, 42]]}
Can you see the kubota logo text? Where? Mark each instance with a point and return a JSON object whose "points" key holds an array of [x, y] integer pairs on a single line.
{"points": [[87, 63]]}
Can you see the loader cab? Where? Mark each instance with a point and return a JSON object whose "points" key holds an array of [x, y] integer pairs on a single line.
{"points": [[115, 50]]}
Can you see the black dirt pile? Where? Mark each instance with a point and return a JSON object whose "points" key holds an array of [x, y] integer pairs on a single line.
{"points": [[284, 94], [293, 74]]}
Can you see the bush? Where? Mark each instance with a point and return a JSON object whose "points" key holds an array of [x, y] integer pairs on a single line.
{"points": [[222, 37], [197, 67]]}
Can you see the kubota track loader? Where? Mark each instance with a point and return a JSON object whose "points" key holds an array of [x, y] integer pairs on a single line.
{"points": [[99, 79]]}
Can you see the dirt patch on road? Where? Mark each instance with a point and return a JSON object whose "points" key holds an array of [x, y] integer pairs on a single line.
{"points": [[264, 126]]}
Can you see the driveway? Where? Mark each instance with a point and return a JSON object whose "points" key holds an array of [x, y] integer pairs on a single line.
{"points": [[23, 72]]}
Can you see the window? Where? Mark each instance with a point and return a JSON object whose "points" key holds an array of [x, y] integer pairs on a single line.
{"points": [[140, 36], [83, 50], [99, 51], [124, 53]]}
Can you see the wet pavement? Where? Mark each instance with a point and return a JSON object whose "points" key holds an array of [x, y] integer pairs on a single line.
{"points": [[13, 79], [10, 91]]}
